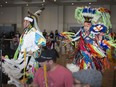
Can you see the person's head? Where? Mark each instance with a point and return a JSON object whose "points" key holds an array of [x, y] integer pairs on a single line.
{"points": [[56, 31], [51, 31], [47, 57], [87, 78], [87, 25], [44, 30], [28, 22]]}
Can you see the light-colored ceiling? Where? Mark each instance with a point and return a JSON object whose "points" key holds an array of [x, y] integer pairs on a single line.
{"points": [[6, 3]]}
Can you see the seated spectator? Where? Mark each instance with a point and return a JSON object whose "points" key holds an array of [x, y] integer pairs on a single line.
{"points": [[87, 78]]}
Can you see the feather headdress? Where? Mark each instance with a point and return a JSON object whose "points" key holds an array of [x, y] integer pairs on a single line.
{"points": [[35, 17], [97, 16]]}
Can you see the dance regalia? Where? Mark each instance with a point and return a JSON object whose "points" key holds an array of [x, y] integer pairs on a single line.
{"points": [[90, 51], [29, 41], [93, 47], [21, 68]]}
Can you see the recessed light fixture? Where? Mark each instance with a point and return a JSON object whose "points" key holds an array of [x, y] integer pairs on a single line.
{"points": [[27, 4], [6, 2], [72, 3], [90, 3], [54, 0], [0, 5], [43, 0]]}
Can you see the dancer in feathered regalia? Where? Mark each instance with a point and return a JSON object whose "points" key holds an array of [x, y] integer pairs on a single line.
{"points": [[94, 39], [21, 68]]}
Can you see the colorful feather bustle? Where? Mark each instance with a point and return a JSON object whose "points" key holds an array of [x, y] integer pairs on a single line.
{"points": [[68, 36], [78, 14], [109, 54], [109, 44], [98, 16], [96, 51]]}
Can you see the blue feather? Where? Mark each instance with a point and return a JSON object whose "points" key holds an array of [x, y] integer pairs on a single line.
{"points": [[86, 57]]}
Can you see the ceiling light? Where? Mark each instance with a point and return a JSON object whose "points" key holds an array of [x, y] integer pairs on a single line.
{"points": [[72, 3], [54, 0], [6, 2], [27, 4], [0, 5], [89, 3], [43, 0]]}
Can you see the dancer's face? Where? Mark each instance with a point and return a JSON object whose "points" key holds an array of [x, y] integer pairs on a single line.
{"points": [[87, 26], [26, 24]]}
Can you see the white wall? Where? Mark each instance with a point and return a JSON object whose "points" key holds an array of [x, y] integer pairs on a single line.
{"points": [[52, 18], [11, 15], [8, 15], [69, 17]]}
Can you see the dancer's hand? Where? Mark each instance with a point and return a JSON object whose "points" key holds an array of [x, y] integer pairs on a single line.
{"points": [[3, 57], [30, 53]]}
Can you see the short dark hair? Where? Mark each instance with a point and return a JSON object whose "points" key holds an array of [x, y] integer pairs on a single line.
{"points": [[32, 23], [88, 21]]}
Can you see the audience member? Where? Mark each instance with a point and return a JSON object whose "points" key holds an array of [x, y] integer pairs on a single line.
{"points": [[56, 35], [55, 75], [44, 33], [87, 78], [51, 35]]}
